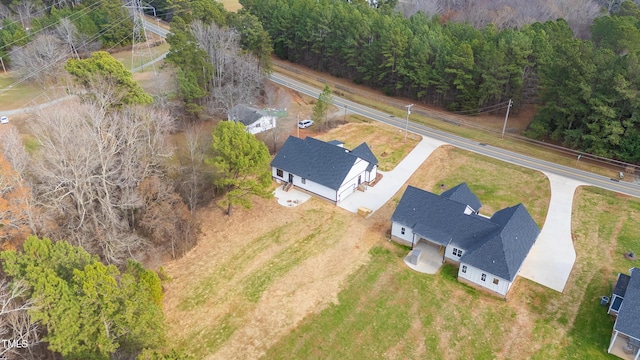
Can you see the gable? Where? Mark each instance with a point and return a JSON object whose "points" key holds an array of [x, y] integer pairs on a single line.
{"points": [[364, 152], [462, 194], [315, 160], [503, 253]]}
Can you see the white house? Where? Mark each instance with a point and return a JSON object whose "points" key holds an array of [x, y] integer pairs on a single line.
{"points": [[255, 120], [625, 305], [488, 251], [324, 169]]}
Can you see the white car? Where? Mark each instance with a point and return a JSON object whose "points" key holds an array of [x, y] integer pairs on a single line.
{"points": [[305, 124], [4, 119]]}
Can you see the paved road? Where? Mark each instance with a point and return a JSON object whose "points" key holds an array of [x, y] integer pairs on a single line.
{"points": [[470, 145]]}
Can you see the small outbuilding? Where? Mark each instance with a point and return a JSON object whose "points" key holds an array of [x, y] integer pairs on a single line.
{"points": [[255, 120]]}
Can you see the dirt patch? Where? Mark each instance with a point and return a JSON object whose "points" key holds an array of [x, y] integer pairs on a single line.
{"points": [[306, 288]]}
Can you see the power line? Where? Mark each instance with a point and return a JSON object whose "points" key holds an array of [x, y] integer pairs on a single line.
{"points": [[33, 73], [83, 11]]}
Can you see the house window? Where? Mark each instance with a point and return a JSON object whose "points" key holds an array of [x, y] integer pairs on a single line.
{"points": [[457, 252], [495, 281], [402, 231], [464, 269], [304, 181], [483, 277], [279, 172]]}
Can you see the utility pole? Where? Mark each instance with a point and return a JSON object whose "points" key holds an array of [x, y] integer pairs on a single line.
{"points": [[504, 127], [140, 41], [406, 125]]}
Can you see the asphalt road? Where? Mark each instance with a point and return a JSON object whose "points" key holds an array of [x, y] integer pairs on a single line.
{"points": [[466, 144]]}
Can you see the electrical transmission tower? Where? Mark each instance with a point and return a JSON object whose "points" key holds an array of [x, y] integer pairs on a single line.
{"points": [[140, 48]]}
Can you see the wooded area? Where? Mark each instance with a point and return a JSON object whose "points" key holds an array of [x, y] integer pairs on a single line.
{"points": [[585, 88]]}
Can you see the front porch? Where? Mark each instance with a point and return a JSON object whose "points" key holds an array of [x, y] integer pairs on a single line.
{"points": [[425, 257], [624, 347]]}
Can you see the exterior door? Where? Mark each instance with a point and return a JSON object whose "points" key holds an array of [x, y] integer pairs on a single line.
{"points": [[290, 178]]}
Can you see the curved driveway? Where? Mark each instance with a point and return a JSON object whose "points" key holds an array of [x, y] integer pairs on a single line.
{"points": [[552, 257]]}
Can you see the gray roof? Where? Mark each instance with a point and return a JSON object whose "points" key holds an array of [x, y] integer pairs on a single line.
{"points": [[315, 160], [440, 219], [462, 194], [364, 152], [628, 321], [621, 284], [336, 143], [498, 245], [246, 114], [503, 253]]}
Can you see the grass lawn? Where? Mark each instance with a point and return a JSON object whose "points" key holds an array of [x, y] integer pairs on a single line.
{"points": [[385, 141], [231, 5], [125, 56], [23, 94], [389, 311]]}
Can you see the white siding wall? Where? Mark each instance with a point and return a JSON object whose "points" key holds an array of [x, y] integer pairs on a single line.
{"points": [[474, 275], [265, 123], [448, 253], [372, 175], [404, 239], [309, 185], [351, 180]]}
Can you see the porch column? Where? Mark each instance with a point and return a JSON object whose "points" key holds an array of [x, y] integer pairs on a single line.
{"points": [[613, 340]]}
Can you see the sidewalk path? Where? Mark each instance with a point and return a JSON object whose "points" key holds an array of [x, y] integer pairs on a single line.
{"points": [[551, 259], [393, 180]]}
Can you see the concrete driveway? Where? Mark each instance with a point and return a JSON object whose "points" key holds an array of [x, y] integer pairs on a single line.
{"points": [[391, 181], [551, 259]]}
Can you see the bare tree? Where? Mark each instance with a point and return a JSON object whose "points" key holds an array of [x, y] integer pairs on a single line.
{"points": [[87, 171], [194, 173], [276, 99], [237, 76], [67, 32], [41, 60], [15, 323], [25, 9]]}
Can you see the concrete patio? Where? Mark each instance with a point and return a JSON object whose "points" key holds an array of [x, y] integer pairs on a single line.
{"points": [[430, 259]]}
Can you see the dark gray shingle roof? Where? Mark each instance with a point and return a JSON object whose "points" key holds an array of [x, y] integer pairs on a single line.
{"points": [[503, 253], [621, 284], [440, 219], [364, 152], [628, 321], [246, 114], [462, 194], [315, 160], [498, 245]]}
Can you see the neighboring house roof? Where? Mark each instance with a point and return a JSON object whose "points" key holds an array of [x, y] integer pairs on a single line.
{"points": [[497, 245], [621, 284], [441, 219], [628, 321], [462, 194], [364, 152], [315, 160], [246, 114], [503, 253]]}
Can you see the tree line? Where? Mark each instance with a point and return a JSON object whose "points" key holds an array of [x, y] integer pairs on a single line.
{"points": [[584, 88]]}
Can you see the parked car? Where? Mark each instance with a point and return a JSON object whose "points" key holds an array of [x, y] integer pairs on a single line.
{"points": [[305, 124], [4, 119]]}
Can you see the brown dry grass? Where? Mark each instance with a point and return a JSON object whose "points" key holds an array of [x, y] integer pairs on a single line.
{"points": [[308, 286], [386, 142]]}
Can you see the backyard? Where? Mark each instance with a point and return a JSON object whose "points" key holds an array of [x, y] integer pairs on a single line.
{"points": [[316, 282]]}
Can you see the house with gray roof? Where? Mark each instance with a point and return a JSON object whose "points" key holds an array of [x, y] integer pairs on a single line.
{"points": [[255, 120], [488, 251], [626, 329], [325, 169]]}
